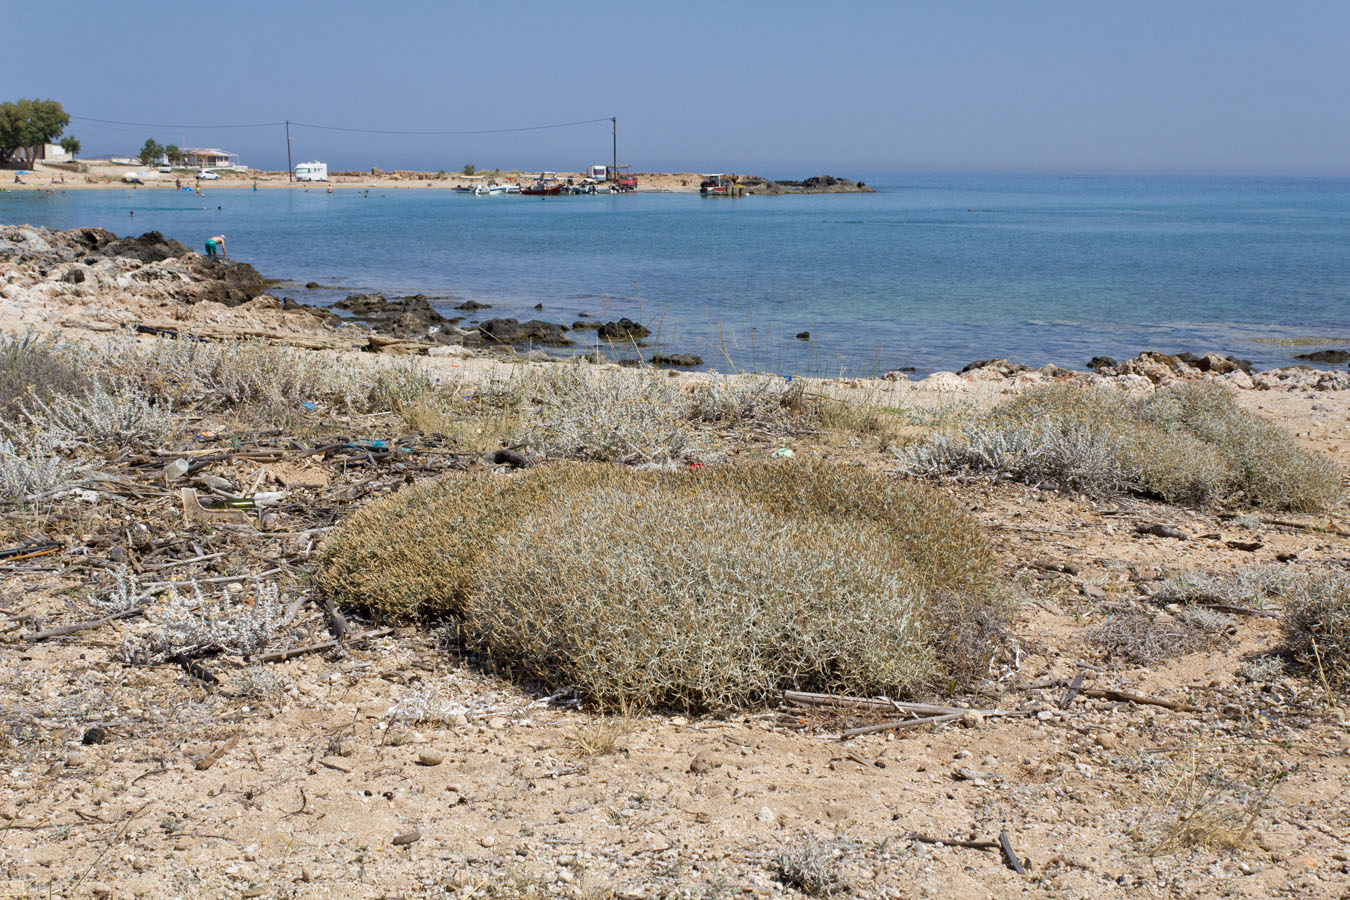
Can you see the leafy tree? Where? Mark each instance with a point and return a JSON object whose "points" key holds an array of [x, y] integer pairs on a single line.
{"points": [[71, 145], [151, 151], [469, 169], [25, 125], [173, 154]]}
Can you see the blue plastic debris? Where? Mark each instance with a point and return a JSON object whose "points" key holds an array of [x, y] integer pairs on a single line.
{"points": [[310, 405]]}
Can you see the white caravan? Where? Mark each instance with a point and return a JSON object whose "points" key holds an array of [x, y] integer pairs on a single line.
{"points": [[311, 171]]}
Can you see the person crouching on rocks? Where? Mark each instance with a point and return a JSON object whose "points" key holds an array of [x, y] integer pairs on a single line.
{"points": [[216, 245]]}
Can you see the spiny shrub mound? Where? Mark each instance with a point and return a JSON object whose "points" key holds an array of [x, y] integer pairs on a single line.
{"points": [[1189, 443], [700, 590], [1316, 628], [34, 370]]}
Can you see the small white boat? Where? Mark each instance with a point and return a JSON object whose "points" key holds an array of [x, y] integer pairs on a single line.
{"points": [[484, 190]]}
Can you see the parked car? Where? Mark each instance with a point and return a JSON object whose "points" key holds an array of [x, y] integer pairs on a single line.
{"points": [[207, 175], [166, 169]]}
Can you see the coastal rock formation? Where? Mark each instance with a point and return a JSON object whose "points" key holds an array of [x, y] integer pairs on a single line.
{"points": [[623, 330], [407, 318], [676, 359], [817, 184], [1327, 357], [511, 331]]}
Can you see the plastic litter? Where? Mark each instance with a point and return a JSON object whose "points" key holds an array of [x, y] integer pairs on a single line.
{"points": [[309, 405], [783, 453]]}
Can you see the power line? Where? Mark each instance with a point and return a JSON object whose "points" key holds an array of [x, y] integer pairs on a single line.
{"points": [[153, 125], [431, 133], [346, 129]]}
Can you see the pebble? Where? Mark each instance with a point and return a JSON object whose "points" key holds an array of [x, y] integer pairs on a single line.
{"points": [[406, 838], [703, 763], [1106, 740], [496, 723], [430, 758], [487, 840], [765, 815]]}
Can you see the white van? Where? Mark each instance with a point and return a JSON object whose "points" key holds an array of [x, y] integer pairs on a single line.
{"points": [[311, 171]]}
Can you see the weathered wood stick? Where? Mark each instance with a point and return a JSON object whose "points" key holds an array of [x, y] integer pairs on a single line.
{"points": [[1072, 691], [1126, 696], [973, 845], [283, 655], [901, 724], [1009, 854], [806, 698], [214, 756], [77, 627]]}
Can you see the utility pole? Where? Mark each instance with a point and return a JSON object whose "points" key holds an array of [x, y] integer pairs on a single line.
{"points": [[614, 134], [290, 169]]}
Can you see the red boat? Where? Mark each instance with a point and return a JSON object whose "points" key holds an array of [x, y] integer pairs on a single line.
{"points": [[539, 189]]}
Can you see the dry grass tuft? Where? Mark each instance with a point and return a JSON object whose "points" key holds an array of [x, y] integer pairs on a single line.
{"points": [[34, 370], [1188, 443], [1316, 628], [1134, 635], [699, 590], [812, 866], [1207, 805]]}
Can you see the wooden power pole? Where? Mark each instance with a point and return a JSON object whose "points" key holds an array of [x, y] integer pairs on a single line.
{"points": [[290, 169], [614, 134]]}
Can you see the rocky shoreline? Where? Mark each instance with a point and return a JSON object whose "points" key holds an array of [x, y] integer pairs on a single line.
{"points": [[91, 279]]}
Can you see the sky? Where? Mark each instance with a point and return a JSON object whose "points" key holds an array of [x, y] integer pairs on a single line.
{"points": [[782, 89]]}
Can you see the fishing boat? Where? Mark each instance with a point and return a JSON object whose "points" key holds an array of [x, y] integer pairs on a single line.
{"points": [[484, 190], [540, 189]]}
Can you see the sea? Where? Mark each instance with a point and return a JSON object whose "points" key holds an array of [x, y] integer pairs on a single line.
{"points": [[930, 272]]}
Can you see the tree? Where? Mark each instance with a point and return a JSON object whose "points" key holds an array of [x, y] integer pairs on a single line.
{"points": [[71, 145], [173, 154], [25, 125], [469, 168], [151, 151]]}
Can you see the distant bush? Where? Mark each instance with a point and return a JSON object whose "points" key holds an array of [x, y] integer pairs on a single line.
{"points": [[1316, 628], [699, 590], [1189, 443]]}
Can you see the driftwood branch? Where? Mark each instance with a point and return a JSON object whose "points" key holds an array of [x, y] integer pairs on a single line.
{"points": [[292, 652], [77, 627]]}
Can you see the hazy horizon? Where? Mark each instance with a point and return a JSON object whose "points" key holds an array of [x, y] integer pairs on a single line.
{"points": [[862, 90]]}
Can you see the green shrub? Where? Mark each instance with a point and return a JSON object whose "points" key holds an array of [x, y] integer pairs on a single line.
{"points": [[1316, 628], [1189, 443], [699, 590]]}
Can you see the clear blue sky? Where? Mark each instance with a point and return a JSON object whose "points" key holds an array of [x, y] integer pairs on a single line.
{"points": [[779, 88]]}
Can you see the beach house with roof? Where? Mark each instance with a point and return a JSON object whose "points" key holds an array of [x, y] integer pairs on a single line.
{"points": [[209, 158]]}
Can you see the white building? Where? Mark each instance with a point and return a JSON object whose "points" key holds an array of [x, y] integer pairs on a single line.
{"points": [[53, 153], [209, 158]]}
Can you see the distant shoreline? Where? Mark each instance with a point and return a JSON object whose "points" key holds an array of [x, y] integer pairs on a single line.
{"points": [[105, 175]]}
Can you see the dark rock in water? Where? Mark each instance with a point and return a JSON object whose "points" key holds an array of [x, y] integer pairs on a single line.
{"points": [[311, 285], [407, 318], [149, 247], [509, 331], [1008, 368], [539, 306], [1329, 357], [1101, 362], [224, 281], [623, 330], [361, 304], [586, 325], [473, 305], [676, 359], [803, 335]]}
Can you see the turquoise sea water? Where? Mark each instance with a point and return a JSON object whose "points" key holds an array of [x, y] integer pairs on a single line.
{"points": [[930, 272]]}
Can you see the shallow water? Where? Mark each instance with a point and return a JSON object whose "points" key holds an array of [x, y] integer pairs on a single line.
{"points": [[930, 272]]}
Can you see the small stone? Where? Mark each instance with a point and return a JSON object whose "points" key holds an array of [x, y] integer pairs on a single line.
{"points": [[703, 763], [100, 891], [1106, 740], [962, 754], [75, 759], [94, 734], [496, 723], [972, 719], [406, 838], [487, 840], [765, 815], [307, 875], [430, 758]]}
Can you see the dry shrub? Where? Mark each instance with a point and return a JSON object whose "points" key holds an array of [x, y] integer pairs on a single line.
{"points": [[1139, 637], [813, 866], [700, 590], [34, 370], [1188, 443], [1316, 628]]}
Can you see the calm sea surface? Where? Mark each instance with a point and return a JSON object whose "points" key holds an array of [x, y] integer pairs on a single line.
{"points": [[930, 272]]}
